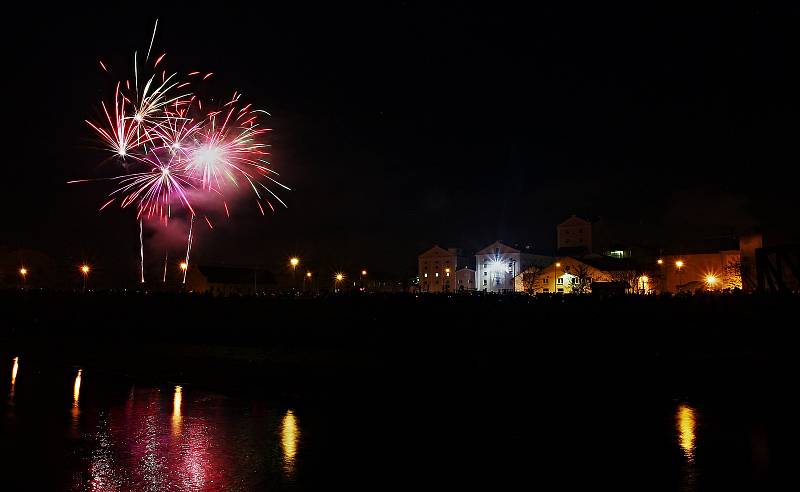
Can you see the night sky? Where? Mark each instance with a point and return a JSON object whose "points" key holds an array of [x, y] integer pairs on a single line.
{"points": [[405, 125]]}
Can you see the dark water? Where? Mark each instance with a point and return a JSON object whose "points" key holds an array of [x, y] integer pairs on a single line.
{"points": [[76, 428]]}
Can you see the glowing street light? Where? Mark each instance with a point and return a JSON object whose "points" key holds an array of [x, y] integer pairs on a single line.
{"points": [[660, 261], [336, 279], [85, 271], [23, 272], [294, 261], [711, 281], [184, 266], [308, 274], [679, 264]]}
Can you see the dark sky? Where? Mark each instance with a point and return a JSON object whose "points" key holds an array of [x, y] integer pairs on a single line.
{"points": [[405, 125]]}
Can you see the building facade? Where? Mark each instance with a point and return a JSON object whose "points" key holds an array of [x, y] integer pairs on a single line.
{"points": [[574, 233], [465, 279], [498, 265], [437, 269], [704, 271]]}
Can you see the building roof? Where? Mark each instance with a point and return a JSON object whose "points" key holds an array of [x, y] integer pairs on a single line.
{"points": [[575, 221], [497, 247], [437, 252]]}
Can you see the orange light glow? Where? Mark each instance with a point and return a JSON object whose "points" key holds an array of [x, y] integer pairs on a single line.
{"points": [[686, 423], [339, 277], [294, 262], [85, 269], [679, 263], [363, 272], [184, 266], [558, 264], [23, 271], [308, 274], [660, 261]]}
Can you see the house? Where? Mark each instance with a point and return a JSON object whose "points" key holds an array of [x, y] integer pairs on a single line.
{"points": [[497, 266], [437, 269], [227, 280], [570, 275], [465, 279], [576, 236]]}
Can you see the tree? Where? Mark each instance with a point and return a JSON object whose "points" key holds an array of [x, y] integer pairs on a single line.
{"points": [[582, 276], [628, 277], [529, 278]]}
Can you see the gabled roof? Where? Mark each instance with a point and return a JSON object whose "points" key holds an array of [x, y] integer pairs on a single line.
{"points": [[436, 252], [497, 247], [575, 221]]}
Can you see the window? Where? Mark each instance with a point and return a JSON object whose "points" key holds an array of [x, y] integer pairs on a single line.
{"points": [[485, 273], [426, 274], [448, 274], [484, 264], [484, 281], [560, 280], [561, 289], [545, 290], [437, 274]]}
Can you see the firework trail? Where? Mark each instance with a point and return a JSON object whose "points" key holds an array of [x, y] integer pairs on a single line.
{"points": [[178, 152]]}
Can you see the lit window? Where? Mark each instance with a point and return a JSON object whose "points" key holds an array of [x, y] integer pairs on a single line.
{"points": [[426, 275], [561, 280], [437, 274], [448, 274], [560, 289], [545, 290]]}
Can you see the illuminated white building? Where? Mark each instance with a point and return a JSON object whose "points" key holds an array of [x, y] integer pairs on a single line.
{"points": [[497, 265]]}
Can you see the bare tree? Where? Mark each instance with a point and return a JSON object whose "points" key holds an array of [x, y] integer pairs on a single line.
{"points": [[582, 275], [628, 277], [529, 278]]}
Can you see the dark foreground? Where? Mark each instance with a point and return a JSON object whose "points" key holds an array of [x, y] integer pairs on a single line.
{"points": [[399, 392]]}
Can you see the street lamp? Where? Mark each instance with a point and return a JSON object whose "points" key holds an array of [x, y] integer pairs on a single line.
{"points": [[711, 281], [85, 271], [24, 274], [679, 265], [660, 261], [308, 277], [294, 261], [184, 267], [338, 278]]}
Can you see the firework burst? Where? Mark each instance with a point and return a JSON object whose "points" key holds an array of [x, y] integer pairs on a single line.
{"points": [[179, 153]]}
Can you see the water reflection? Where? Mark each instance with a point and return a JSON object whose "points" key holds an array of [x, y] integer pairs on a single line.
{"points": [[176, 411], [290, 437], [686, 419], [76, 396], [686, 426], [14, 370]]}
